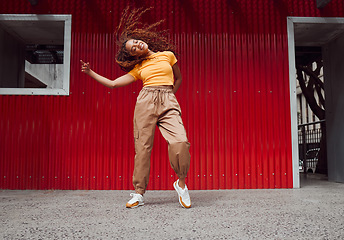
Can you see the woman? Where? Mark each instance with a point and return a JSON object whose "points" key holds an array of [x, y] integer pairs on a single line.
{"points": [[146, 54]]}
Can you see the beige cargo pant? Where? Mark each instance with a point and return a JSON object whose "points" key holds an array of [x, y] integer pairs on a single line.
{"points": [[158, 106]]}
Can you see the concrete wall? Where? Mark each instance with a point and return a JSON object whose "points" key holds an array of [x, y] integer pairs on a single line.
{"points": [[334, 90], [49, 74], [12, 61]]}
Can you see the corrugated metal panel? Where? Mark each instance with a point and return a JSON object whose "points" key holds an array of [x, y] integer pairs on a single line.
{"points": [[234, 98]]}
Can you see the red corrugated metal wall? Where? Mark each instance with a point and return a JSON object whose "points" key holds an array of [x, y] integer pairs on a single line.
{"points": [[234, 98]]}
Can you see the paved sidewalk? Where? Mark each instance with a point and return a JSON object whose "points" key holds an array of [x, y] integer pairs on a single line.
{"points": [[316, 211]]}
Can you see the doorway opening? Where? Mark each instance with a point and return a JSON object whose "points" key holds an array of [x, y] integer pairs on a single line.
{"points": [[314, 48]]}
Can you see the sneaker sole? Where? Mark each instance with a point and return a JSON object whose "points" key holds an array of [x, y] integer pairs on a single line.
{"points": [[134, 205], [180, 198]]}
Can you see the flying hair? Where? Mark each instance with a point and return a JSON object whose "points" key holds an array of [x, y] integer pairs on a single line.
{"points": [[130, 27]]}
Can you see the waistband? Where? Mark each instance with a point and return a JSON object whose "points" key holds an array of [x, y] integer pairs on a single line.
{"points": [[164, 88]]}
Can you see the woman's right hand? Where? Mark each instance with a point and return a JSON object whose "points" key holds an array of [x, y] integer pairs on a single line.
{"points": [[118, 82], [85, 67]]}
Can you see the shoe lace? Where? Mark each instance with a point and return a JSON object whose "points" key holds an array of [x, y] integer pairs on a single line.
{"points": [[135, 195]]}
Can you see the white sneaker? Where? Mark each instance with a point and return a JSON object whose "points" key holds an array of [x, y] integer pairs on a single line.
{"points": [[183, 195], [135, 201]]}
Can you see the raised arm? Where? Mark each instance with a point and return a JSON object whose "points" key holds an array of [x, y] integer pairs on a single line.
{"points": [[177, 77], [118, 82]]}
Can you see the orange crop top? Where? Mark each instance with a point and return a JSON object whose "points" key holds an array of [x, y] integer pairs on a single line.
{"points": [[157, 70]]}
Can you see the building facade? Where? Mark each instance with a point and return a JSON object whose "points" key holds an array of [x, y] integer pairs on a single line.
{"points": [[235, 99]]}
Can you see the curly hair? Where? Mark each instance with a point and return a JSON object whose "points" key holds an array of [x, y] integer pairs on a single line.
{"points": [[130, 27]]}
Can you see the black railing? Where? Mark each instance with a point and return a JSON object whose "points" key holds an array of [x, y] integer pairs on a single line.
{"points": [[309, 146]]}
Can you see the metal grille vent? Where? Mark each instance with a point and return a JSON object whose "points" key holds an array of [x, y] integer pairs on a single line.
{"points": [[44, 54]]}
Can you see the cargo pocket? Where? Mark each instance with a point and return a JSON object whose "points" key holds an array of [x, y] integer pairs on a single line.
{"points": [[179, 118], [136, 135], [136, 139]]}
